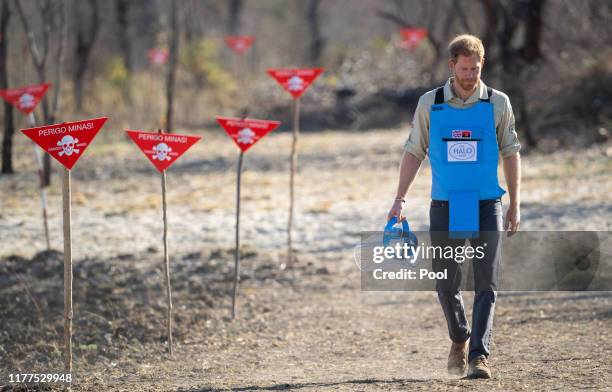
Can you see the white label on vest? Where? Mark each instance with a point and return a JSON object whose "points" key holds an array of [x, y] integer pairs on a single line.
{"points": [[461, 151]]}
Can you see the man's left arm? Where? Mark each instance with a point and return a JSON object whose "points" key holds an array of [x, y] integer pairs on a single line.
{"points": [[509, 147], [512, 173]]}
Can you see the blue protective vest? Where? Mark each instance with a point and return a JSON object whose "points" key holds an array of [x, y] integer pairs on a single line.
{"points": [[464, 156]]}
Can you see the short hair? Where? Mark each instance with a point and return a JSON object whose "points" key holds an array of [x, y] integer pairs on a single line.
{"points": [[466, 45]]}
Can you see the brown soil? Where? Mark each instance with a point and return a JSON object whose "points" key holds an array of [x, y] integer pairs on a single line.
{"points": [[307, 329]]}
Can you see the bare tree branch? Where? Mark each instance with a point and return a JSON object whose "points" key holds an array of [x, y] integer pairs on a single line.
{"points": [[172, 63], [86, 38], [317, 42], [464, 20], [59, 60], [44, 7], [398, 20], [9, 125], [36, 55], [233, 22]]}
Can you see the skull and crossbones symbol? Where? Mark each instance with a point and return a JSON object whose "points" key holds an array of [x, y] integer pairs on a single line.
{"points": [[161, 152], [67, 144], [26, 101], [296, 84], [246, 136]]}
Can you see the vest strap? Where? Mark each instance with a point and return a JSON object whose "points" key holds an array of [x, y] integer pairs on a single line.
{"points": [[489, 93], [439, 96]]}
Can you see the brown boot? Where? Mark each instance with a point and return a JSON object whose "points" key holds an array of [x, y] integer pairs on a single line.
{"points": [[457, 358], [479, 368]]}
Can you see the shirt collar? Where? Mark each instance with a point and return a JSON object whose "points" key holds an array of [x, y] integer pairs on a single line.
{"points": [[480, 93]]}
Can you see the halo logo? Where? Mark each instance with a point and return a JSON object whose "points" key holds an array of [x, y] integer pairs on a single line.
{"points": [[462, 151]]}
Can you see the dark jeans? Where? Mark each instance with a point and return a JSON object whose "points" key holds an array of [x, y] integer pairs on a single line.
{"points": [[485, 275]]}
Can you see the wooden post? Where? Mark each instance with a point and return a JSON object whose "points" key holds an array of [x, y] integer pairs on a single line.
{"points": [[296, 131], [41, 180], [167, 263], [241, 79], [237, 252], [68, 313]]}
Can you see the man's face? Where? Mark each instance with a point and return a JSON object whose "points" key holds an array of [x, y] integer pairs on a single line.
{"points": [[466, 70]]}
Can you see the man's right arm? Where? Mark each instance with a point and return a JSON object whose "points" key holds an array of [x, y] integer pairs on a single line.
{"points": [[408, 170], [415, 151]]}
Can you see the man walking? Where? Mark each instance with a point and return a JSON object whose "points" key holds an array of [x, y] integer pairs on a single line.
{"points": [[464, 127]]}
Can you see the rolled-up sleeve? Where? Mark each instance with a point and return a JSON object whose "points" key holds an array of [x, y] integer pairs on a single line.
{"points": [[418, 140], [507, 138]]}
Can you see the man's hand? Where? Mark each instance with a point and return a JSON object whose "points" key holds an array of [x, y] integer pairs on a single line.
{"points": [[396, 210], [513, 219]]}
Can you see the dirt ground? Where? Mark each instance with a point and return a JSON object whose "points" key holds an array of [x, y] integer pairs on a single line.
{"points": [[306, 329]]}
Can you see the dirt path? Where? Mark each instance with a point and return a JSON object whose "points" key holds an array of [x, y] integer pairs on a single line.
{"points": [[311, 331], [342, 339]]}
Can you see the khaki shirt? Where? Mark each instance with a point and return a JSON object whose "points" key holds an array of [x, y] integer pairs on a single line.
{"points": [[507, 139]]}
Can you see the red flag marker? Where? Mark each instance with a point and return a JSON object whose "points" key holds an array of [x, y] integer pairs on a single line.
{"points": [[25, 98], [412, 38], [158, 56], [246, 132], [295, 81], [162, 149], [239, 43], [66, 142]]}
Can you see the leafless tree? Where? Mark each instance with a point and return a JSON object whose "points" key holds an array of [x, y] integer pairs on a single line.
{"points": [[436, 16], [172, 63], [9, 126], [317, 41], [233, 23], [87, 31], [50, 12], [122, 8], [504, 20]]}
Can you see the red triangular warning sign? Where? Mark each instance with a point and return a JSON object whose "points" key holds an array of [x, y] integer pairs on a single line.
{"points": [[66, 142], [295, 81], [25, 98], [412, 38], [158, 56], [246, 132], [239, 43], [162, 149]]}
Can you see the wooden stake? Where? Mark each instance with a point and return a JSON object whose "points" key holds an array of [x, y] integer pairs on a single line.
{"points": [[68, 313], [237, 251], [240, 77], [167, 264], [41, 181], [296, 131]]}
